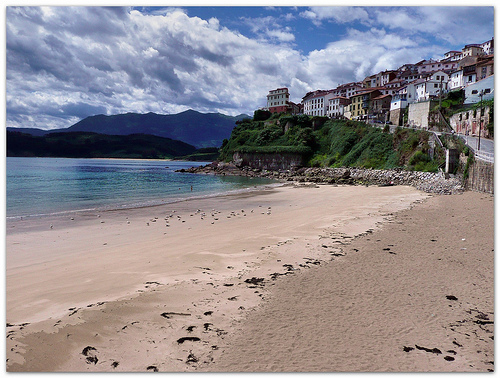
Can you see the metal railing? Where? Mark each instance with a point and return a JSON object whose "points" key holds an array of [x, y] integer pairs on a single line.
{"points": [[485, 156]]}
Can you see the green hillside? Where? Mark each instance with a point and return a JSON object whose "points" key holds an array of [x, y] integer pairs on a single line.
{"points": [[93, 145], [333, 143]]}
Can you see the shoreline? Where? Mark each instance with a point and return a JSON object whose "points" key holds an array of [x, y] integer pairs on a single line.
{"points": [[127, 267], [157, 203]]}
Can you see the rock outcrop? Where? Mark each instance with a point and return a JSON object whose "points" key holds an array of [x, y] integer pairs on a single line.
{"points": [[428, 182]]}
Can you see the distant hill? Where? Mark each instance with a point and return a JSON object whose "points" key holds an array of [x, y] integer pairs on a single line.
{"points": [[92, 145], [198, 129]]}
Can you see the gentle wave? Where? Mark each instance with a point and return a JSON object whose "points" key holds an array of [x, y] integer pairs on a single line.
{"points": [[40, 187]]}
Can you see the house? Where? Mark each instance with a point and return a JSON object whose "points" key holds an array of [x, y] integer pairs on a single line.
{"points": [[336, 106], [410, 91], [387, 76], [448, 65], [369, 81], [408, 72], [399, 101], [485, 67], [382, 106], [277, 100], [395, 84], [485, 86], [316, 103], [362, 103], [453, 55], [431, 87], [469, 74], [398, 105], [429, 66], [488, 47], [348, 89], [466, 72], [456, 80], [472, 50], [380, 79]]}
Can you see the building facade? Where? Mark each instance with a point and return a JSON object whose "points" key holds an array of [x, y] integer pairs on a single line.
{"points": [[336, 106], [316, 103], [277, 100], [362, 104], [485, 86], [348, 89]]}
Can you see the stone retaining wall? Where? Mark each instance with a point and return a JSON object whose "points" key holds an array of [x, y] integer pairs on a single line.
{"points": [[481, 177], [268, 161]]}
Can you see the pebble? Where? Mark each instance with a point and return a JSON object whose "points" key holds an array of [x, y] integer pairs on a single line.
{"points": [[428, 182]]}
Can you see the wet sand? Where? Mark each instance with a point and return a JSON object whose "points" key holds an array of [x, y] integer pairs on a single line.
{"points": [[165, 288]]}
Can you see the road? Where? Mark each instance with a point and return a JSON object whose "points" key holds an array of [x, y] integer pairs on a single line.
{"points": [[486, 145]]}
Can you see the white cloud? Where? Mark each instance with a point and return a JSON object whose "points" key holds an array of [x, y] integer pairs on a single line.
{"points": [[270, 29], [455, 25], [337, 14], [159, 62], [65, 63], [358, 55]]}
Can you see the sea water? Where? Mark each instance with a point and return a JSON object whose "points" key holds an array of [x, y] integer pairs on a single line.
{"points": [[45, 186]]}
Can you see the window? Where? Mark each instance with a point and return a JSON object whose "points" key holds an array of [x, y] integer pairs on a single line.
{"points": [[487, 90], [474, 91]]}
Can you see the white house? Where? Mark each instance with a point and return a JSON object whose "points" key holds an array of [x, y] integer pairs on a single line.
{"points": [[399, 101], [336, 106], [410, 90], [469, 74], [456, 80], [488, 47], [432, 86], [453, 55], [348, 89], [473, 91], [277, 100], [316, 103]]}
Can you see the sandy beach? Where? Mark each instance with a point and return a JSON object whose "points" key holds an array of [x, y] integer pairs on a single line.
{"points": [[295, 278]]}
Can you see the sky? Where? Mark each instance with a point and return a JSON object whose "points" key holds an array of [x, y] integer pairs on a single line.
{"points": [[65, 63]]}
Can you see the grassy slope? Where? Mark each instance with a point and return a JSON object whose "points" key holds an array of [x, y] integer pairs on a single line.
{"points": [[331, 143]]}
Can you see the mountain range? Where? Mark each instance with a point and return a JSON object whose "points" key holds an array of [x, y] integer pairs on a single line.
{"points": [[198, 129]]}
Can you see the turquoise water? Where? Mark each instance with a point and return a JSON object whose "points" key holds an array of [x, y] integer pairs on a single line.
{"points": [[43, 186]]}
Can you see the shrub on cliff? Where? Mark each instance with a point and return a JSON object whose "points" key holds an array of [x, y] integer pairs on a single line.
{"points": [[334, 143], [270, 135], [261, 115]]}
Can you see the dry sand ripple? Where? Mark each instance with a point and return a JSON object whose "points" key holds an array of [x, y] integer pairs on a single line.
{"points": [[416, 296], [243, 282]]}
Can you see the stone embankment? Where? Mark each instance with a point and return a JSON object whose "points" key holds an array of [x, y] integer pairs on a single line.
{"points": [[425, 181]]}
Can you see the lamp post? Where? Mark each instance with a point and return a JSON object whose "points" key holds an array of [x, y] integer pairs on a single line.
{"points": [[481, 94]]}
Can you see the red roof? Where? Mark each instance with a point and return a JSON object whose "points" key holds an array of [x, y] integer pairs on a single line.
{"points": [[382, 96]]}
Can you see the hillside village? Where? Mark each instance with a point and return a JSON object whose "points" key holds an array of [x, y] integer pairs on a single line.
{"points": [[407, 95]]}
